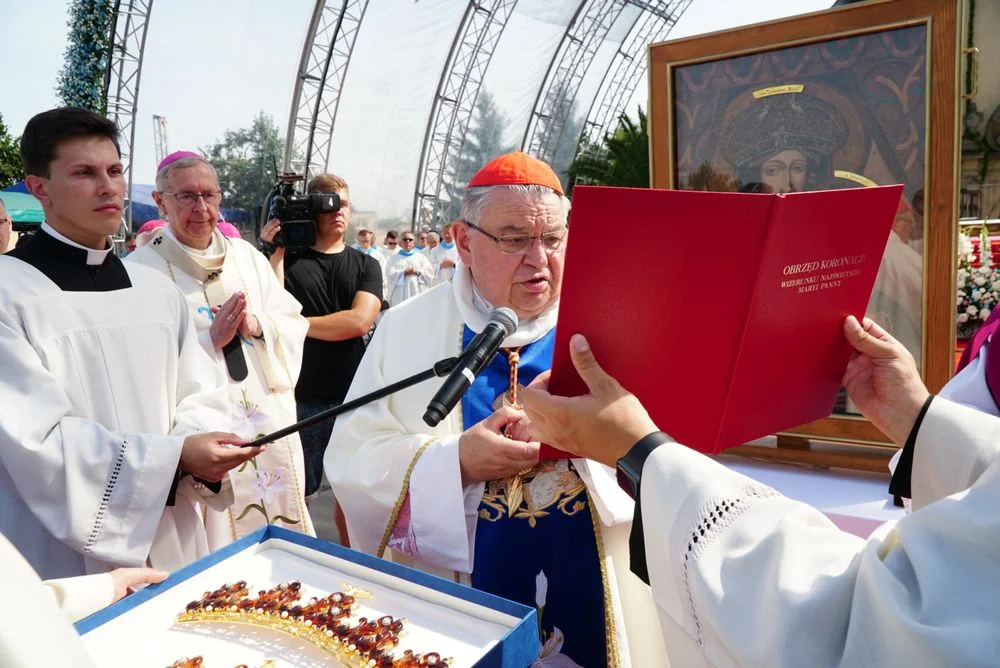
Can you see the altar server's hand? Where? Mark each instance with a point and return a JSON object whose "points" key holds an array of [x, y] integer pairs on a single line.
{"points": [[484, 453], [127, 579], [882, 379], [211, 455], [602, 425], [228, 319]]}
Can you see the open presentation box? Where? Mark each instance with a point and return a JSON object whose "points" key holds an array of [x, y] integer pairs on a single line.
{"points": [[468, 626]]}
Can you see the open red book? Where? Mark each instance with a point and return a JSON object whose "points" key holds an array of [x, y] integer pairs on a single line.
{"points": [[721, 312]]}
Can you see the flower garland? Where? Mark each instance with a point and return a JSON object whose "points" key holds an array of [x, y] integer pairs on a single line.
{"points": [[81, 81], [978, 286]]}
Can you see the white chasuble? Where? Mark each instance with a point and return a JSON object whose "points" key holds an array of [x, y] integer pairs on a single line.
{"points": [[98, 391], [399, 481], [269, 488]]}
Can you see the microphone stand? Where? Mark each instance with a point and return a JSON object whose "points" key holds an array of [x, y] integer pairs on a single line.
{"points": [[440, 369]]}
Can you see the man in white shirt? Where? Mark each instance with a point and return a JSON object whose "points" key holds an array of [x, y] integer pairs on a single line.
{"points": [[445, 256]]}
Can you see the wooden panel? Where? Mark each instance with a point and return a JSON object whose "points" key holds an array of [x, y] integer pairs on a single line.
{"points": [[941, 155]]}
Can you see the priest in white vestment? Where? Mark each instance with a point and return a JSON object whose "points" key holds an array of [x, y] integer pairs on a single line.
{"points": [[104, 387], [743, 576], [463, 500], [228, 281], [408, 273], [445, 256]]}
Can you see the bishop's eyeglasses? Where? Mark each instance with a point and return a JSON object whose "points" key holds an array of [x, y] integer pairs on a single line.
{"points": [[187, 199], [553, 241]]}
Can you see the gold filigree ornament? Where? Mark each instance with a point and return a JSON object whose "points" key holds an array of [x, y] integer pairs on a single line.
{"points": [[326, 623]]}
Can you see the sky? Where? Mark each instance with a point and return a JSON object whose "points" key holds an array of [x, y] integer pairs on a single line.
{"points": [[208, 68]]}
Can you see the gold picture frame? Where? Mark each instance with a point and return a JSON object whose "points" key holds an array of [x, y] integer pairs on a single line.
{"points": [[711, 95]]}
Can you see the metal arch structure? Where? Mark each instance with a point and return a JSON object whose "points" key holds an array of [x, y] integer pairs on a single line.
{"points": [[121, 79], [583, 37], [319, 81], [628, 68], [160, 137], [461, 78]]}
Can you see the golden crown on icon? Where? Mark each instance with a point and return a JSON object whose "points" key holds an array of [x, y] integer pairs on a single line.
{"points": [[322, 622]]}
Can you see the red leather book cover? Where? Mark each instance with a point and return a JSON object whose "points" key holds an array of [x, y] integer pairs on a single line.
{"points": [[721, 312]]}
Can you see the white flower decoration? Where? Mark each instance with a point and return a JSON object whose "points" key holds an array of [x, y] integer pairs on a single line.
{"points": [[963, 317], [984, 314], [266, 484], [972, 310], [541, 589], [247, 422]]}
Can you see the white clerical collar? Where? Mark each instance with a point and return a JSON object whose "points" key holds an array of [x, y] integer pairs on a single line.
{"points": [[215, 251], [93, 256], [475, 311]]}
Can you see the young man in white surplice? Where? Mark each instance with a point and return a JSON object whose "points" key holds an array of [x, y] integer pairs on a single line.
{"points": [[236, 299], [104, 387]]}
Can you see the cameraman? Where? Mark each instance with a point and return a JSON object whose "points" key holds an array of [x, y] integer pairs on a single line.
{"points": [[340, 289]]}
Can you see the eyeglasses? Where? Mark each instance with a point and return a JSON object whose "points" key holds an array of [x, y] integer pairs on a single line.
{"points": [[212, 198], [553, 241], [391, 243], [407, 240]]}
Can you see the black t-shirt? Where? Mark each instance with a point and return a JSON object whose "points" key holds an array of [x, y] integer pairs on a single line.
{"points": [[326, 283]]}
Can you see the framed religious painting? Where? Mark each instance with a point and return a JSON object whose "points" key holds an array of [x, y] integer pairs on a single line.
{"points": [[837, 99]]}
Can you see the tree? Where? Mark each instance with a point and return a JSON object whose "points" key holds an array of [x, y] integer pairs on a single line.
{"points": [[483, 142], [244, 160], [622, 158], [81, 81], [11, 167]]}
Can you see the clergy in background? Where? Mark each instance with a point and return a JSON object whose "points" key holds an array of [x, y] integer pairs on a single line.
{"points": [[104, 387], [445, 256], [743, 576], [253, 330], [463, 500], [408, 273]]}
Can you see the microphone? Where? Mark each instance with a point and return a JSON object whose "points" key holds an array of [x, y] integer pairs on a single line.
{"points": [[479, 353]]}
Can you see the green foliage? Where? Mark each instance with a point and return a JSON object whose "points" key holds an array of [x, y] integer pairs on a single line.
{"points": [[622, 158], [11, 167], [81, 81], [244, 160]]}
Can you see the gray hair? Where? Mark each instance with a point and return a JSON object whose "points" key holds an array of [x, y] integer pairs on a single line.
{"points": [[475, 199], [163, 175]]}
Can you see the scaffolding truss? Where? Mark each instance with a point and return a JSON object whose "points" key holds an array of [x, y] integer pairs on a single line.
{"points": [[628, 68], [553, 106], [326, 54], [121, 79], [461, 78]]}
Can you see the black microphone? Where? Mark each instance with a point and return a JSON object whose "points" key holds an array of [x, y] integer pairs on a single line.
{"points": [[479, 353]]}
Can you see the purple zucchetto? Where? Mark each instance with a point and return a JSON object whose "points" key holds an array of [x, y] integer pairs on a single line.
{"points": [[177, 155]]}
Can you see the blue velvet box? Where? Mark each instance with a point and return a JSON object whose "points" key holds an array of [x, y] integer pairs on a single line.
{"points": [[471, 627]]}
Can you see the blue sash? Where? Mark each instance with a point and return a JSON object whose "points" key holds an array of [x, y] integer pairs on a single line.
{"points": [[550, 530]]}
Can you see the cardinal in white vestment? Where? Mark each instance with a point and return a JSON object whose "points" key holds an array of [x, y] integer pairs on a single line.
{"points": [[408, 273], [229, 281], [103, 383], [464, 500], [743, 576]]}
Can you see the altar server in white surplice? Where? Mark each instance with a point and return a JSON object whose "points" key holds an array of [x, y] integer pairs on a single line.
{"points": [[104, 387], [445, 256], [743, 576], [464, 500], [408, 273], [253, 329]]}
